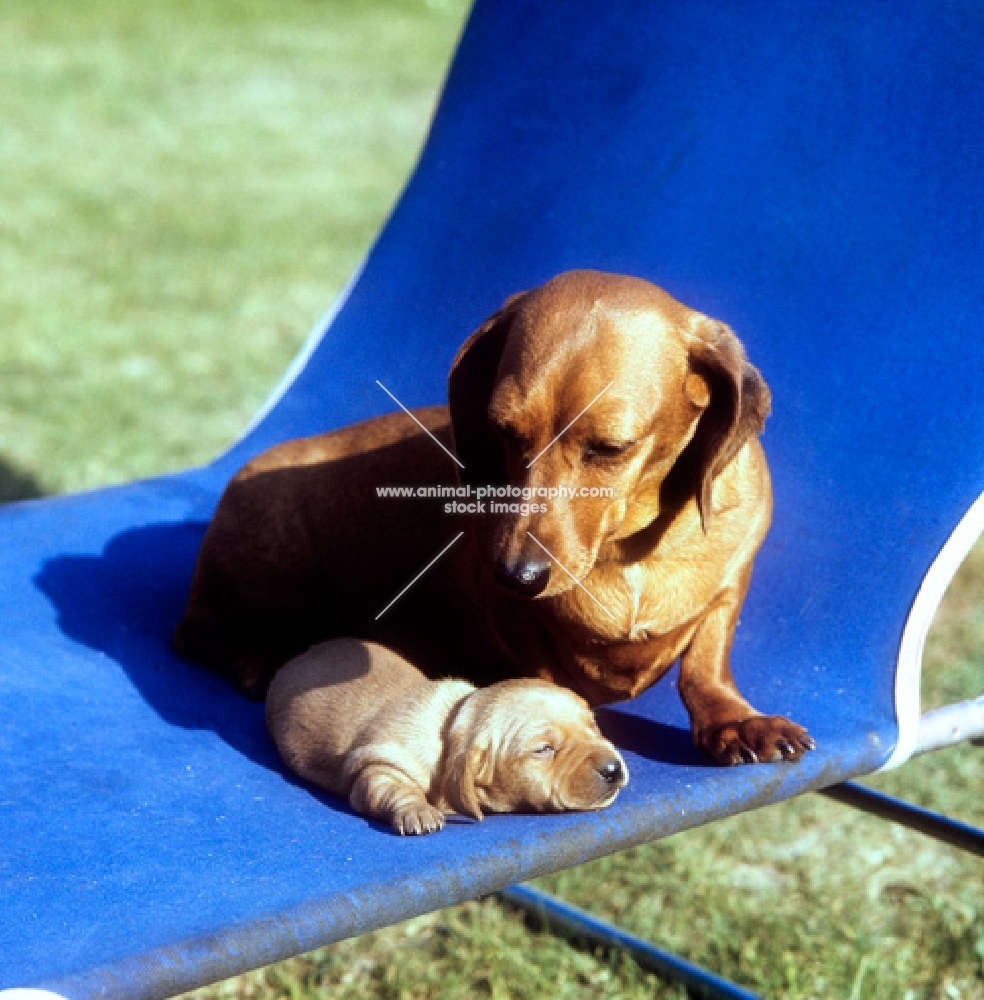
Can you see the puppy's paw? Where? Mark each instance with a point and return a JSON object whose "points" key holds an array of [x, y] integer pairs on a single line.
{"points": [[759, 739], [417, 819]]}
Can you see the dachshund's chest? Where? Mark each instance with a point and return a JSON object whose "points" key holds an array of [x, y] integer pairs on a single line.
{"points": [[610, 639], [618, 670], [644, 607], [648, 605]]}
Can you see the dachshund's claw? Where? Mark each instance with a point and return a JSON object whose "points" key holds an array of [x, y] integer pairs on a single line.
{"points": [[759, 738]]}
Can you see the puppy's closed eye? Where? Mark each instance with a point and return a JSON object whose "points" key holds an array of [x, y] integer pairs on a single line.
{"points": [[544, 750]]}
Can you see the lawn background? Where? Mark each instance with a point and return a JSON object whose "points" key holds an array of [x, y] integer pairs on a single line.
{"points": [[184, 188]]}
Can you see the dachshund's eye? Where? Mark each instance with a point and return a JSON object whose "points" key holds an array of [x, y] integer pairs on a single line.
{"points": [[606, 450], [544, 750]]}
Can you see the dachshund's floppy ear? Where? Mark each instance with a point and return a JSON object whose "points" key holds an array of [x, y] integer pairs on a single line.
{"points": [[734, 397], [470, 386]]}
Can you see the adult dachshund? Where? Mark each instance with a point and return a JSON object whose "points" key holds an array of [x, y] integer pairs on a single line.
{"points": [[598, 383]]}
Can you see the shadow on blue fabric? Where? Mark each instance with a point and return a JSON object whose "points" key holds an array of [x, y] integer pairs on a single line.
{"points": [[124, 604], [656, 741]]}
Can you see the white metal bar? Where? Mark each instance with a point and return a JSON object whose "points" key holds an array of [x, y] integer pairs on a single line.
{"points": [[952, 724]]}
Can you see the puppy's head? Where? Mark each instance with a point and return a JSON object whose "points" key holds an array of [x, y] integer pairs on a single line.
{"points": [[599, 384], [528, 746]]}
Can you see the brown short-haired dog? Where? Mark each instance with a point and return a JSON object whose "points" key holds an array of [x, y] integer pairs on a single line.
{"points": [[358, 720], [600, 383]]}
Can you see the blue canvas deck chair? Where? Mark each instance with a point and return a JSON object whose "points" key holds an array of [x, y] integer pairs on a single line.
{"points": [[813, 174]]}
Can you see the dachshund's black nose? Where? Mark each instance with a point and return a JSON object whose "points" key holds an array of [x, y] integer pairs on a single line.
{"points": [[528, 577], [612, 771]]}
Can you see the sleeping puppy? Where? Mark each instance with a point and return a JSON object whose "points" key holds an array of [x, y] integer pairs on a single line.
{"points": [[361, 722], [646, 410]]}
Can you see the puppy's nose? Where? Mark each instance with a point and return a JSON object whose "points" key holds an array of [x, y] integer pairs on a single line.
{"points": [[528, 577], [612, 771]]}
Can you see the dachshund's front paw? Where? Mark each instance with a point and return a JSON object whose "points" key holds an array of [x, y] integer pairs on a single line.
{"points": [[759, 739], [418, 819]]}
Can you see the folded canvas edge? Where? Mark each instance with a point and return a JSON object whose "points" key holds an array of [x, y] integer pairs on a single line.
{"points": [[298, 364], [908, 672]]}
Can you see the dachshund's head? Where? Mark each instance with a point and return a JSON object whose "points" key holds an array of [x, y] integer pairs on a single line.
{"points": [[607, 388], [528, 746]]}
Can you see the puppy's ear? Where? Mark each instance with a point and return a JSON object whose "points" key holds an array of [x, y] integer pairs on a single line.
{"points": [[735, 400], [464, 771], [470, 386]]}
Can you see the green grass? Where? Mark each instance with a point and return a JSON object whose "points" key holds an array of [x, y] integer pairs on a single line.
{"points": [[185, 187]]}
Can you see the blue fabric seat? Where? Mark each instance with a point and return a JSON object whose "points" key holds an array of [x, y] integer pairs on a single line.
{"points": [[813, 175]]}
